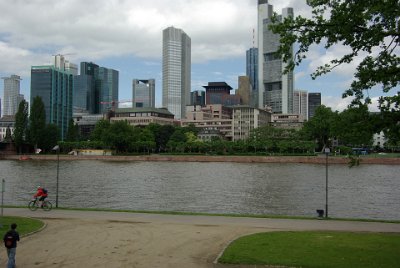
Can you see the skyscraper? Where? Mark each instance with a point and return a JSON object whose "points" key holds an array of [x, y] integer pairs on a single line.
{"points": [[91, 71], [300, 103], [101, 85], [314, 101], [54, 86], [12, 98], [107, 86], [252, 66], [275, 89], [176, 70], [198, 97], [143, 93]]}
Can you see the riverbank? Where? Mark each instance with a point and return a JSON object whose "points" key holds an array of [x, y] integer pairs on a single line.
{"points": [[321, 159]]}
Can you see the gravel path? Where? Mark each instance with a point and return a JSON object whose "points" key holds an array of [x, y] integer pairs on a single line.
{"points": [[116, 239]]}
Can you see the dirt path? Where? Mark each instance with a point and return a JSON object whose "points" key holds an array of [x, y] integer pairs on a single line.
{"points": [[103, 239]]}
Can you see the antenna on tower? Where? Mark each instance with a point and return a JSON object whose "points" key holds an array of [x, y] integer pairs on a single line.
{"points": [[253, 38]]}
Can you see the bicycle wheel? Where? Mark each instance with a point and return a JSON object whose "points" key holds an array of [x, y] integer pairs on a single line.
{"points": [[47, 206], [33, 205]]}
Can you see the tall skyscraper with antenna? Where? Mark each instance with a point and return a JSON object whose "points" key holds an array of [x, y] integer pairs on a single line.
{"points": [[252, 70], [275, 89]]}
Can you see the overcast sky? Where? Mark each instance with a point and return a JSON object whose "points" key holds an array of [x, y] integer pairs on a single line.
{"points": [[126, 35]]}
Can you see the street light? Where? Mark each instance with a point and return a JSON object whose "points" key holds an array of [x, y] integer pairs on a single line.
{"points": [[57, 148], [327, 151]]}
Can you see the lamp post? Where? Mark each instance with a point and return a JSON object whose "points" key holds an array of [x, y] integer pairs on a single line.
{"points": [[57, 148], [327, 151]]}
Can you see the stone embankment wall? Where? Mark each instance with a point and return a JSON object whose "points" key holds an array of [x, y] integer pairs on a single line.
{"points": [[206, 158]]}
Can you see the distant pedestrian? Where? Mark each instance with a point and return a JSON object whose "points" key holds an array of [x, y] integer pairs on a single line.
{"points": [[10, 242]]}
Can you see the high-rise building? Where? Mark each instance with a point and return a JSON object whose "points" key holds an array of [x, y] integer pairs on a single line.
{"points": [[300, 104], [176, 68], [100, 85], [12, 98], [55, 87], [219, 93], [198, 97], [245, 91], [64, 65], [275, 89], [143, 93], [314, 101], [83, 88], [107, 86], [90, 70], [252, 66]]}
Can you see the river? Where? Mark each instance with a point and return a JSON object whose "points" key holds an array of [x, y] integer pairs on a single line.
{"points": [[366, 191]]}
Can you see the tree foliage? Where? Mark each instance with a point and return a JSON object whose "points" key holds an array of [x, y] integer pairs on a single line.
{"points": [[37, 122], [369, 28], [21, 125], [321, 127], [355, 127], [50, 137], [72, 132]]}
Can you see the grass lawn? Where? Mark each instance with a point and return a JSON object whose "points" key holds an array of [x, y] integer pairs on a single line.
{"points": [[316, 249], [24, 225]]}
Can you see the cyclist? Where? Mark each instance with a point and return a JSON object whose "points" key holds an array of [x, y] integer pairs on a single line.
{"points": [[42, 194]]}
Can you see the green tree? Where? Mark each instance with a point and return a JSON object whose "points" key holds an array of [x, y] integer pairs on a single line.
{"points": [[37, 122], [50, 137], [177, 140], [162, 134], [119, 136], [369, 28], [21, 125], [72, 132], [8, 136], [102, 127], [145, 141], [321, 127], [355, 127]]}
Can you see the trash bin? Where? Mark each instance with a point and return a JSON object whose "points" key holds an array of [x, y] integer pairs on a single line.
{"points": [[320, 213]]}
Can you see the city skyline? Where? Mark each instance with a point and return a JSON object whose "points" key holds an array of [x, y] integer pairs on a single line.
{"points": [[128, 38]]}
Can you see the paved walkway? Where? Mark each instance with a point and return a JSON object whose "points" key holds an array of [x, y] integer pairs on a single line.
{"points": [[117, 239]]}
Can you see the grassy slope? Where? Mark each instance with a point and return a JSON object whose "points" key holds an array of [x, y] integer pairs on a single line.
{"points": [[316, 249]]}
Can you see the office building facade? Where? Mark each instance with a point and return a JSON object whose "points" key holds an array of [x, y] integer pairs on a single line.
{"points": [[143, 93], [245, 119], [12, 96], [83, 88], [300, 104], [101, 86], [314, 101], [275, 89], [55, 88], [108, 89], [198, 97], [252, 67], [176, 71]]}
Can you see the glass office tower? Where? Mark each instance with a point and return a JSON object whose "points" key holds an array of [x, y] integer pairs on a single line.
{"points": [[55, 87], [176, 71]]}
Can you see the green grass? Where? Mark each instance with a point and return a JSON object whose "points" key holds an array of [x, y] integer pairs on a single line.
{"points": [[262, 216], [316, 249], [24, 225]]}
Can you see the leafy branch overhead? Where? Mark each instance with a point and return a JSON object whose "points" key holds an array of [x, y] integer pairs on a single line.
{"points": [[368, 27]]}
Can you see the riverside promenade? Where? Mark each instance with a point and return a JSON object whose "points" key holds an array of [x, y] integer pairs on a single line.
{"points": [[120, 239], [320, 159]]}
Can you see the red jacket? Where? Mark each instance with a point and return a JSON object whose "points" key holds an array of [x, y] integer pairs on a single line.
{"points": [[40, 193]]}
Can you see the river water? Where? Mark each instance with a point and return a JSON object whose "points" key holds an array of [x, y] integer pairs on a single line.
{"points": [[366, 191]]}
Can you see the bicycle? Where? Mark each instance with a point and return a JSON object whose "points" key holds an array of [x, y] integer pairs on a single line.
{"points": [[35, 204]]}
